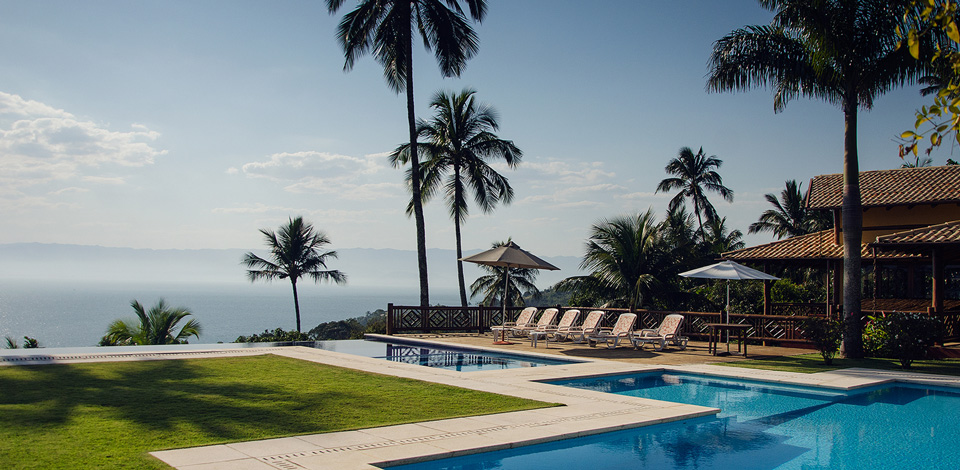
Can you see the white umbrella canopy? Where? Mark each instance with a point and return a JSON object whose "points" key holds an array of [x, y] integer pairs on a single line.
{"points": [[728, 270], [509, 256]]}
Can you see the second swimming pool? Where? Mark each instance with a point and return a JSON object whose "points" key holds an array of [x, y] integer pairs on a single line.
{"points": [[761, 426], [442, 357]]}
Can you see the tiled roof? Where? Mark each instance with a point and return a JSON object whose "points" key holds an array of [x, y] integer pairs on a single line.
{"points": [[813, 246], [928, 185], [941, 233]]}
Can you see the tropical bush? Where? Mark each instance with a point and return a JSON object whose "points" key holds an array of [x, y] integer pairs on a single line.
{"points": [[825, 334], [155, 326], [276, 336], [906, 336], [28, 343]]}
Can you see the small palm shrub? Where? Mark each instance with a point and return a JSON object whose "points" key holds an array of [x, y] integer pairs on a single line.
{"points": [[825, 334]]}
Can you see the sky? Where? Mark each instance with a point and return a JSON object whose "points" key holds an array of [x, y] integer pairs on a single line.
{"points": [[180, 124]]}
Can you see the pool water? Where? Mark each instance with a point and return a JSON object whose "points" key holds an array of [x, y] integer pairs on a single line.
{"points": [[761, 426], [451, 358]]}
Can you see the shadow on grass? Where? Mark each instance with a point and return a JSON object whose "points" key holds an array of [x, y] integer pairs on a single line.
{"points": [[160, 395], [812, 363]]}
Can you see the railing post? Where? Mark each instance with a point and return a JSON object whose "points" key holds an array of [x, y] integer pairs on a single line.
{"points": [[389, 319]]}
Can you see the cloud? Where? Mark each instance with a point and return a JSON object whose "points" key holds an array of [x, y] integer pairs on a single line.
{"points": [[577, 173], [39, 143], [346, 177], [325, 215]]}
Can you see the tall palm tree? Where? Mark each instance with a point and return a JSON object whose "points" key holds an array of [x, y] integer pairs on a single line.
{"points": [[844, 52], [694, 175], [790, 216], [628, 258], [459, 145], [386, 28], [156, 326], [296, 250], [490, 286]]}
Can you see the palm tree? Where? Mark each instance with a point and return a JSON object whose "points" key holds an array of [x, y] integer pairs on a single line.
{"points": [[790, 216], [156, 326], [295, 251], [844, 52], [719, 239], [460, 143], [490, 286], [694, 175], [629, 259], [386, 27]]}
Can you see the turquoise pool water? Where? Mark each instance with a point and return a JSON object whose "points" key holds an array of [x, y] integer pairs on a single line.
{"points": [[761, 426], [442, 357]]}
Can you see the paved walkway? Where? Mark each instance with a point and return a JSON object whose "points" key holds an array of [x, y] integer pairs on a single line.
{"points": [[584, 412]]}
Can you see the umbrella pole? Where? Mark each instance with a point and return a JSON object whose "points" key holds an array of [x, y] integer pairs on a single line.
{"points": [[728, 315], [503, 300]]}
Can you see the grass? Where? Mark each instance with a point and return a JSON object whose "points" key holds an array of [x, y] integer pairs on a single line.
{"points": [[109, 415], [811, 363]]}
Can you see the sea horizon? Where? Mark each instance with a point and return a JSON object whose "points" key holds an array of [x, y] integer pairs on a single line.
{"points": [[63, 313]]}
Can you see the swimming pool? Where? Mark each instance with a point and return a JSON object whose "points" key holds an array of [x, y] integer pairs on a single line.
{"points": [[441, 357], [761, 426]]}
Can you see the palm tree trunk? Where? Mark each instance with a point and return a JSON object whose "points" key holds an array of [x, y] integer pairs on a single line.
{"points": [[296, 302], [415, 180], [463, 286], [456, 227], [852, 215]]}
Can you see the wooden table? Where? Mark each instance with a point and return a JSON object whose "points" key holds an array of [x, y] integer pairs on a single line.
{"points": [[717, 328]]}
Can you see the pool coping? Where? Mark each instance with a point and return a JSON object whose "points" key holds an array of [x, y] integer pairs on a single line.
{"points": [[584, 412]]}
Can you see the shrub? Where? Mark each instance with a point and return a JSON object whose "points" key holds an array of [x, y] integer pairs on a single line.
{"points": [[276, 336], [825, 334], [875, 338], [908, 335]]}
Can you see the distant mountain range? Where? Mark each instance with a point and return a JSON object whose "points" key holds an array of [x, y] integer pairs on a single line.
{"points": [[365, 267]]}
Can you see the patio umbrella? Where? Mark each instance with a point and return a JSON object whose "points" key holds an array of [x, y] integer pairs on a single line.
{"points": [[728, 270], [509, 256]]}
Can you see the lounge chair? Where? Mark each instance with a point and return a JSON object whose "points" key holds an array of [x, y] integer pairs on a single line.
{"points": [[579, 334], [566, 322], [524, 319], [548, 318], [668, 331], [621, 330]]}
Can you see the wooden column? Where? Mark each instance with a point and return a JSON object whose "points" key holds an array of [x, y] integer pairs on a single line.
{"points": [[938, 284]]}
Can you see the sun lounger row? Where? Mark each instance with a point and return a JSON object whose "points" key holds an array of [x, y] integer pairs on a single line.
{"points": [[590, 331]]}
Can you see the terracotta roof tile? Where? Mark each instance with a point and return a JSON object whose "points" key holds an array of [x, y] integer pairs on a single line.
{"points": [[928, 185], [813, 246], [941, 233]]}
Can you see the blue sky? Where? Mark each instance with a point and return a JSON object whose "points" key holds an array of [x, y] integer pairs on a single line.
{"points": [[176, 124]]}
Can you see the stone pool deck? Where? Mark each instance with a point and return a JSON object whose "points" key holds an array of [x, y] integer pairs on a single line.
{"points": [[583, 412]]}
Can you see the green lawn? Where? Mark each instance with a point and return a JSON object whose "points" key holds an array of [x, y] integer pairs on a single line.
{"points": [[810, 363], [109, 415]]}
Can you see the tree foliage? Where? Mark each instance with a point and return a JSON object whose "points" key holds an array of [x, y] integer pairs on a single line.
{"points": [[790, 216], [296, 251], [155, 326], [695, 175], [459, 148]]}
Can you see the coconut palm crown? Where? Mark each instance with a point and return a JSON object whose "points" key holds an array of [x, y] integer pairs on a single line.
{"points": [[694, 175], [296, 251]]}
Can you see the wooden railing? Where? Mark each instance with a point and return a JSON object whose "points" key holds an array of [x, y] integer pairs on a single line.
{"points": [[777, 329]]}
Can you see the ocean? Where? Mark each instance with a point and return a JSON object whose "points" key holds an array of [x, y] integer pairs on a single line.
{"points": [[72, 314]]}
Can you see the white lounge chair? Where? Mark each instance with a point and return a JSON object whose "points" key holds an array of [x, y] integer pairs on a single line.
{"points": [[566, 322], [621, 330], [667, 332], [523, 319], [548, 318], [578, 334]]}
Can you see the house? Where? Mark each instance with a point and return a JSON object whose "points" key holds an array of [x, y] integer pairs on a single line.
{"points": [[910, 244]]}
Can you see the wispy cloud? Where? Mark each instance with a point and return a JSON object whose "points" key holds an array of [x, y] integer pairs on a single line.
{"points": [[39, 143], [346, 177]]}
